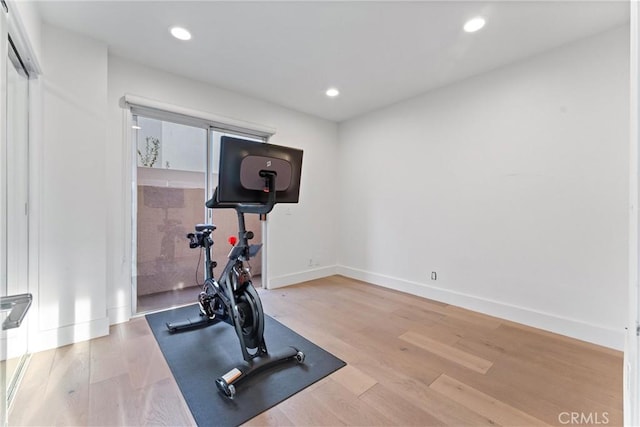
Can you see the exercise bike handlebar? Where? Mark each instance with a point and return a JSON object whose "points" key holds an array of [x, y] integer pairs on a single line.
{"points": [[251, 208]]}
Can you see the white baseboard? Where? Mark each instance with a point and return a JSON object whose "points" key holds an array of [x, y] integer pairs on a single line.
{"points": [[58, 337], [119, 314], [565, 326], [302, 276]]}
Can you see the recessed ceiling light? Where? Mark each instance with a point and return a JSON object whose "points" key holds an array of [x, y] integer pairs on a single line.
{"points": [[180, 33], [332, 92], [474, 24]]}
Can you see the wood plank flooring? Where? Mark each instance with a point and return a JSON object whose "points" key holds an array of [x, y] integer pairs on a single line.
{"points": [[410, 361]]}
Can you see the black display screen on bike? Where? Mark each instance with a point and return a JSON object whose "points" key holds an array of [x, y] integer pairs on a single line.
{"points": [[243, 165]]}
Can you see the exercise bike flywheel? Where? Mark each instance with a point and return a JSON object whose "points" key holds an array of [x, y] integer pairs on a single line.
{"points": [[251, 319]]}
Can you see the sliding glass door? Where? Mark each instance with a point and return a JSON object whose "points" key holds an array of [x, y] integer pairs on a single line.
{"points": [[175, 173], [15, 219]]}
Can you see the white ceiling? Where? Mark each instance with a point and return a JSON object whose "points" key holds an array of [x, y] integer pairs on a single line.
{"points": [[289, 53]]}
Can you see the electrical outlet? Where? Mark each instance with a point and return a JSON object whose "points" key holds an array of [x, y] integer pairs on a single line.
{"points": [[434, 275]]}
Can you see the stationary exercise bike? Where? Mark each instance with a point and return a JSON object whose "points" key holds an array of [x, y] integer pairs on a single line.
{"points": [[232, 298]]}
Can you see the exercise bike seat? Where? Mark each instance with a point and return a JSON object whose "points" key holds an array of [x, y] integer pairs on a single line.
{"points": [[205, 227]]}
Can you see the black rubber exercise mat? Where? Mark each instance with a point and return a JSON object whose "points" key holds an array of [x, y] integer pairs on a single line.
{"points": [[198, 356]]}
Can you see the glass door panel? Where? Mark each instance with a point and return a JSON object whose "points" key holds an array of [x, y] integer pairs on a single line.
{"points": [[170, 196], [17, 225]]}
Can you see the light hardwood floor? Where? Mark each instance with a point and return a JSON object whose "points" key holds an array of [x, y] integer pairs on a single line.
{"points": [[410, 361]]}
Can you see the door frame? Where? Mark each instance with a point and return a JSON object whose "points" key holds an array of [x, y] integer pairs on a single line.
{"points": [[17, 245], [4, 58], [12, 18], [632, 346]]}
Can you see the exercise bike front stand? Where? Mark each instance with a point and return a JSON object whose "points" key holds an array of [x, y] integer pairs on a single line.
{"points": [[190, 323], [227, 383]]}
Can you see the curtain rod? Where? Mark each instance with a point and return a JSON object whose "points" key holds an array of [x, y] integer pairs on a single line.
{"points": [[195, 117]]}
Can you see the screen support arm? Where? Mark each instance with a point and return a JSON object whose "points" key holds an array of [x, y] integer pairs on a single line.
{"points": [[262, 208], [251, 208]]}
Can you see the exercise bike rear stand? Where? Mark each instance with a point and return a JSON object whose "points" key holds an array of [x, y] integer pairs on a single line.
{"points": [[227, 383]]}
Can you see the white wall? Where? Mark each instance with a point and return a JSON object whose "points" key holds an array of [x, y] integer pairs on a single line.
{"points": [[512, 186], [297, 232], [71, 203]]}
